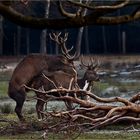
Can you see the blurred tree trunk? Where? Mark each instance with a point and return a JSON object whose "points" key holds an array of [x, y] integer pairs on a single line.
{"points": [[119, 34], [43, 37], [18, 40], [87, 40], [28, 40], [1, 35], [80, 32], [104, 39], [124, 42], [14, 41]]}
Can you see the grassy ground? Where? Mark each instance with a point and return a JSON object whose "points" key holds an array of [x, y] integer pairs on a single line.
{"points": [[33, 129], [91, 136], [85, 136]]}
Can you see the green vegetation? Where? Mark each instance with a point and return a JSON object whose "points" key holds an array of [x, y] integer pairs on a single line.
{"points": [[27, 136], [110, 136], [86, 136], [3, 89], [6, 108], [98, 86]]}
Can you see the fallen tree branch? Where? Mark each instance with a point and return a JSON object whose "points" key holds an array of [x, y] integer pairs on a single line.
{"points": [[90, 114]]}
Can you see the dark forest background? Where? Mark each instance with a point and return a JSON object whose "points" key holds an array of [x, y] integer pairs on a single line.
{"points": [[117, 39]]}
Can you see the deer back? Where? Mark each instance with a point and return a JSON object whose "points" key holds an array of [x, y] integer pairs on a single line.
{"points": [[34, 64], [52, 80]]}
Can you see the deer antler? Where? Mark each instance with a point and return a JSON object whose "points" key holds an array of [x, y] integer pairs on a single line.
{"points": [[55, 36], [61, 41], [92, 64]]}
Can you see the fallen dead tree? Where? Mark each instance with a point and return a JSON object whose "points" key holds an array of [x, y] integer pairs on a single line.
{"points": [[90, 114]]}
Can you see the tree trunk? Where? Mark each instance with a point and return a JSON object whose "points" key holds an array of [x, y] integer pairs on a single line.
{"points": [[1, 35], [104, 39], [87, 40], [43, 37], [28, 40], [15, 42], [119, 35], [18, 40], [80, 32], [124, 42]]}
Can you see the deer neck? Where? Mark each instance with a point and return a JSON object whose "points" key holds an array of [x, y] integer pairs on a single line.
{"points": [[81, 82]]}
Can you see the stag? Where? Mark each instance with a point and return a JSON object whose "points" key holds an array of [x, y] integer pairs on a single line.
{"points": [[90, 74], [34, 64], [61, 79]]}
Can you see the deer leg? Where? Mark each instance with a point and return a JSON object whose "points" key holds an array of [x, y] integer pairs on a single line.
{"points": [[19, 98], [40, 109], [69, 105]]}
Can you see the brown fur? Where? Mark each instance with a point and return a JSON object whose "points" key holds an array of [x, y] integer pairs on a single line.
{"points": [[29, 68]]}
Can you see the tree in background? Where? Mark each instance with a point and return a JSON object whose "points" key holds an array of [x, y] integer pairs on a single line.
{"points": [[43, 38], [1, 34]]}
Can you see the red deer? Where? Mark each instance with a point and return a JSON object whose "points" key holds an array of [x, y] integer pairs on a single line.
{"points": [[34, 64], [63, 79], [90, 74]]}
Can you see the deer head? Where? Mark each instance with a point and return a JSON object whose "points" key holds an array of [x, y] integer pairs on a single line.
{"points": [[91, 70]]}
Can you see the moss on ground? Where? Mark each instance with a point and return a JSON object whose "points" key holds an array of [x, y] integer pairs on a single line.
{"points": [[3, 89]]}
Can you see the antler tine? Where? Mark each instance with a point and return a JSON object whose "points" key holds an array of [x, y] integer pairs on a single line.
{"points": [[50, 35], [55, 36], [81, 59], [61, 41], [69, 50], [94, 65], [90, 63], [64, 50], [98, 62], [66, 37]]}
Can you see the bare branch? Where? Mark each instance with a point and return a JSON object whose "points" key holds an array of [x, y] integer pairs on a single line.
{"points": [[49, 80], [96, 17], [63, 12], [112, 7]]}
